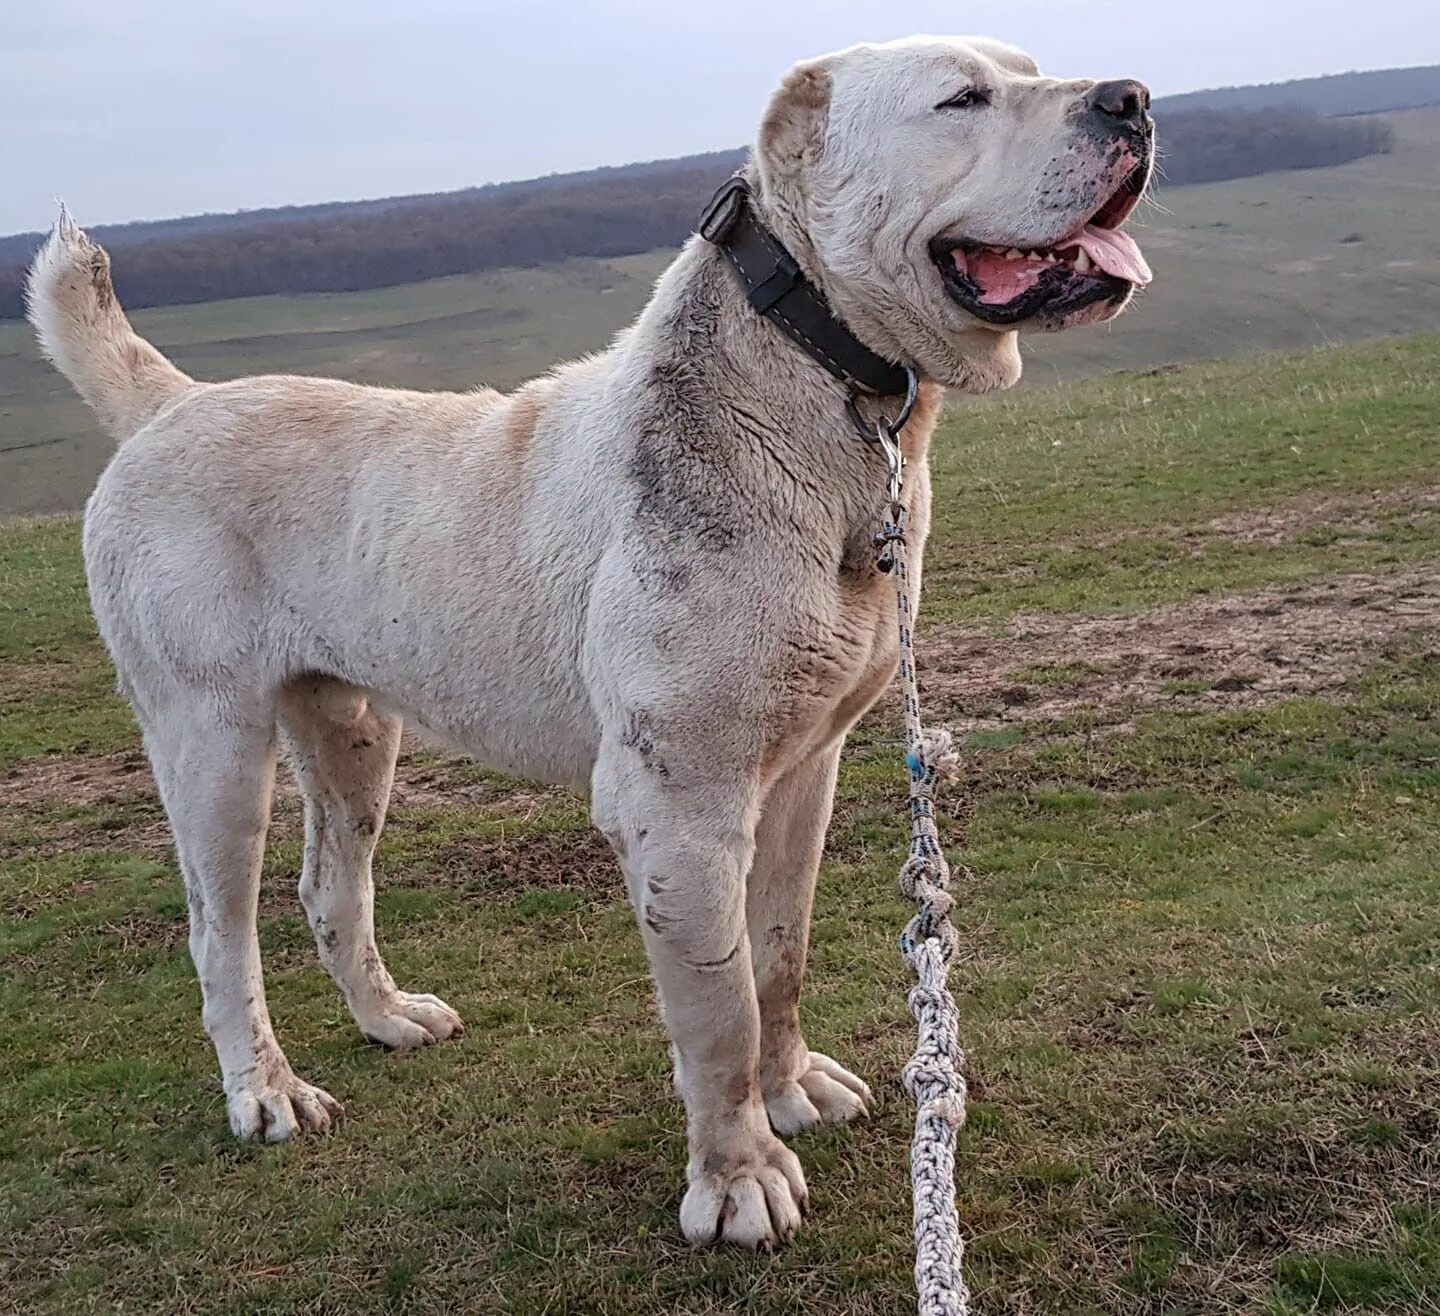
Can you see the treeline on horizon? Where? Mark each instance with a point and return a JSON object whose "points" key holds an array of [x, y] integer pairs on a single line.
{"points": [[601, 213], [1375, 91]]}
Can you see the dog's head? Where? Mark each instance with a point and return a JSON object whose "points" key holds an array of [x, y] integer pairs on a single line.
{"points": [[945, 195]]}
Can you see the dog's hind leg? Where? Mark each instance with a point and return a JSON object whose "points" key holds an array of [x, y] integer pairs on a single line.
{"points": [[802, 1087], [343, 751], [214, 763]]}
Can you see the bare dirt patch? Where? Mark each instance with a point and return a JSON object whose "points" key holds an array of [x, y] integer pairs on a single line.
{"points": [[422, 782], [56, 806], [122, 778], [1357, 514], [1234, 651], [1352, 514], [425, 781], [37, 795], [138, 932], [578, 859], [1237, 651]]}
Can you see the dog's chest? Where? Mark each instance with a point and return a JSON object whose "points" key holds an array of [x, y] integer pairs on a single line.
{"points": [[844, 654], [838, 664]]}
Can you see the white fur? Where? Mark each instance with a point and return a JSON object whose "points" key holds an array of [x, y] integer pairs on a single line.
{"points": [[648, 574]]}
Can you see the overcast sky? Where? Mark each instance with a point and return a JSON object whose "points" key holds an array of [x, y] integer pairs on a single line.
{"points": [[142, 109]]}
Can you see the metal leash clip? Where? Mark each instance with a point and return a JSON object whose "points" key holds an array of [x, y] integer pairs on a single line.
{"points": [[886, 437], [890, 445], [892, 529]]}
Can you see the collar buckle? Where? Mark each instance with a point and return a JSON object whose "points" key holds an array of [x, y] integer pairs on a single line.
{"points": [[722, 211]]}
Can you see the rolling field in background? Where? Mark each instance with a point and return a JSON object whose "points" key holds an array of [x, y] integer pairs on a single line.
{"points": [[1281, 261], [1184, 622]]}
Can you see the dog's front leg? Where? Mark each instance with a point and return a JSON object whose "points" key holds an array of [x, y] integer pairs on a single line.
{"points": [[801, 1087], [686, 841]]}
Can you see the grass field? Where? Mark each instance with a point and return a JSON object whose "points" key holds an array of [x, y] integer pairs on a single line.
{"points": [[1185, 623], [1285, 261]]}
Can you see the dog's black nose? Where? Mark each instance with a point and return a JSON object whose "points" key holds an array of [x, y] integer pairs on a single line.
{"points": [[1121, 102]]}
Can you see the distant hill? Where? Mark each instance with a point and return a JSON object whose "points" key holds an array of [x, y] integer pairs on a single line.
{"points": [[17, 247], [1373, 92], [620, 210]]}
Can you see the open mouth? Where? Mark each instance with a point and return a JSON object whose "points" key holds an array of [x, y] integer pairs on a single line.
{"points": [[1004, 285]]}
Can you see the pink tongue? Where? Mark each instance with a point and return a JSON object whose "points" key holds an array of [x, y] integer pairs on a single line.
{"points": [[1115, 252]]}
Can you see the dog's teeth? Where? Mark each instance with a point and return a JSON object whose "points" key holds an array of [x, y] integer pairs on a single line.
{"points": [[1082, 262], [1015, 254], [1034, 255]]}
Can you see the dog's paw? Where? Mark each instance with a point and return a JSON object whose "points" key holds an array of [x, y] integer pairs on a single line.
{"points": [[754, 1202], [279, 1107], [406, 1021], [824, 1093]]}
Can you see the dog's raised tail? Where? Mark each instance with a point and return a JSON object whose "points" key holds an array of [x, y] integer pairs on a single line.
{"points": [[82, 329]]}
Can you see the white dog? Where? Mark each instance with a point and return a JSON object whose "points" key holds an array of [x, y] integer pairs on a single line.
{"points": [[648, 574]]}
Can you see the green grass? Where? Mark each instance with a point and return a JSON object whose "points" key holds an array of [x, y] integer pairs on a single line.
{"points": [[1200, 993], [1087, 499], [56, 693]]}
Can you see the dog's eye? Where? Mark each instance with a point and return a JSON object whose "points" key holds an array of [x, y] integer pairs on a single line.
{"points": [[969, 99]]}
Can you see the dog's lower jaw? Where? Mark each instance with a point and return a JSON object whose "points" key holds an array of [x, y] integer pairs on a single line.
{"points": [[986, 362], [973, 359], [976, 360]]}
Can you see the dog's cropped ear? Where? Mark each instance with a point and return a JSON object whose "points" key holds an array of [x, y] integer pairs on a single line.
{"points": [[793, 129]]}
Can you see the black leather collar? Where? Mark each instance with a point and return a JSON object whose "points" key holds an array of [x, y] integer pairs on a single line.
{"points": [[777, 289]]}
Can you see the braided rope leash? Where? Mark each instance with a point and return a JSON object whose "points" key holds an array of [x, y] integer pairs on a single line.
{"points": [[934, 1075]]}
